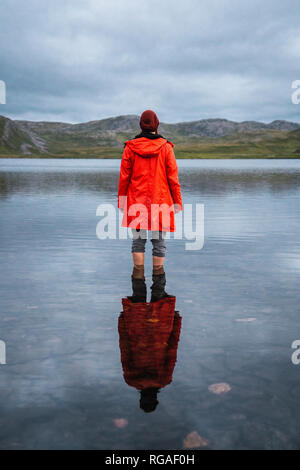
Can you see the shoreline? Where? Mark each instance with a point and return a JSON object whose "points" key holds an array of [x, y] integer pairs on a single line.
{"points": [[235, 157]]}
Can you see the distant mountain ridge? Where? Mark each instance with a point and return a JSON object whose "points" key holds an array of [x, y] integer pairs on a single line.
{"points": [[106, 136]]}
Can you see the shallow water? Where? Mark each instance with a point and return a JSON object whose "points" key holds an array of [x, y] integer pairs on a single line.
{"points": [[61, 291]]}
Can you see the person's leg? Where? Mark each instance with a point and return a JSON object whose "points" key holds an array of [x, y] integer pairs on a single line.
{"points": [[158, 264], [139, 238], [138, 259], [137, 277], [158, 251], [158, 275]]}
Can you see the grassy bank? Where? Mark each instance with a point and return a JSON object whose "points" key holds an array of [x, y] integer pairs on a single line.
{"points": [[274, 144]]}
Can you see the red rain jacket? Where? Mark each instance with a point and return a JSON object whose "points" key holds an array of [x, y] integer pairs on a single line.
{"points": [[149, 185]]}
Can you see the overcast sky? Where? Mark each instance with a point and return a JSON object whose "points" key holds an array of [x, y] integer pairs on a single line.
{"points": [[81, 60]]}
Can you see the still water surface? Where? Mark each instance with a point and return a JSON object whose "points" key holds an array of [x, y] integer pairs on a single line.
{"points": [[237, 312]]}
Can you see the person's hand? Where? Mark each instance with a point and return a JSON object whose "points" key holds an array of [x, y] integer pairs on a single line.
{"points": [[177, 208]]}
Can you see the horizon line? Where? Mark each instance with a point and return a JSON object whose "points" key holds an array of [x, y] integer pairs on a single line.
{"points": [[161, 122]]}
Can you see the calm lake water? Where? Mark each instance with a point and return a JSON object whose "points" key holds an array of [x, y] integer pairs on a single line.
{"points": [[61, 291]]}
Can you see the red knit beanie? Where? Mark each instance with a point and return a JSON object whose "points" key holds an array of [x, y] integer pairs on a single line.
{"points": [[149, 121]]}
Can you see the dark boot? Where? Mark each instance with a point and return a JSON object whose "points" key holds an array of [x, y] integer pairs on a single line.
{"points": [[139, 290], [158, 287]]}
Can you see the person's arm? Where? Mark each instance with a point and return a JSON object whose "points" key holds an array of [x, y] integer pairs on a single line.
{"points": [[172, 175], [125, 174]]}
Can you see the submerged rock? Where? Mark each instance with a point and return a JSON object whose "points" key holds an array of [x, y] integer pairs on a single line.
{"points": [[120, 423], [219, 388], [193, 440]]}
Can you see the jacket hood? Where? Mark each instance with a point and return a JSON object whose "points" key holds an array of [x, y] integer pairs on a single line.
{"points": [[146, 147]]}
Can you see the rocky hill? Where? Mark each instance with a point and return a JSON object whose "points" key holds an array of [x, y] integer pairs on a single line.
{"points": [[15, 138], [104, 138]]}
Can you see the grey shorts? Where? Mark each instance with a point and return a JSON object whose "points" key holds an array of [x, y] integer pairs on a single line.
{"points": [[139, 239]]}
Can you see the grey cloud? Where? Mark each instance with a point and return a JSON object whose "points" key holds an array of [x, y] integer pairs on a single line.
{"points": [[84, 60]]}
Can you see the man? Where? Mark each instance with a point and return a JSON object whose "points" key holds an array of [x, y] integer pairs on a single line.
{"points": [[149, 195]]}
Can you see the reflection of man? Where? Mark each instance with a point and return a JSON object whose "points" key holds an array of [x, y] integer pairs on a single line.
{"points": [[149, 335]]}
